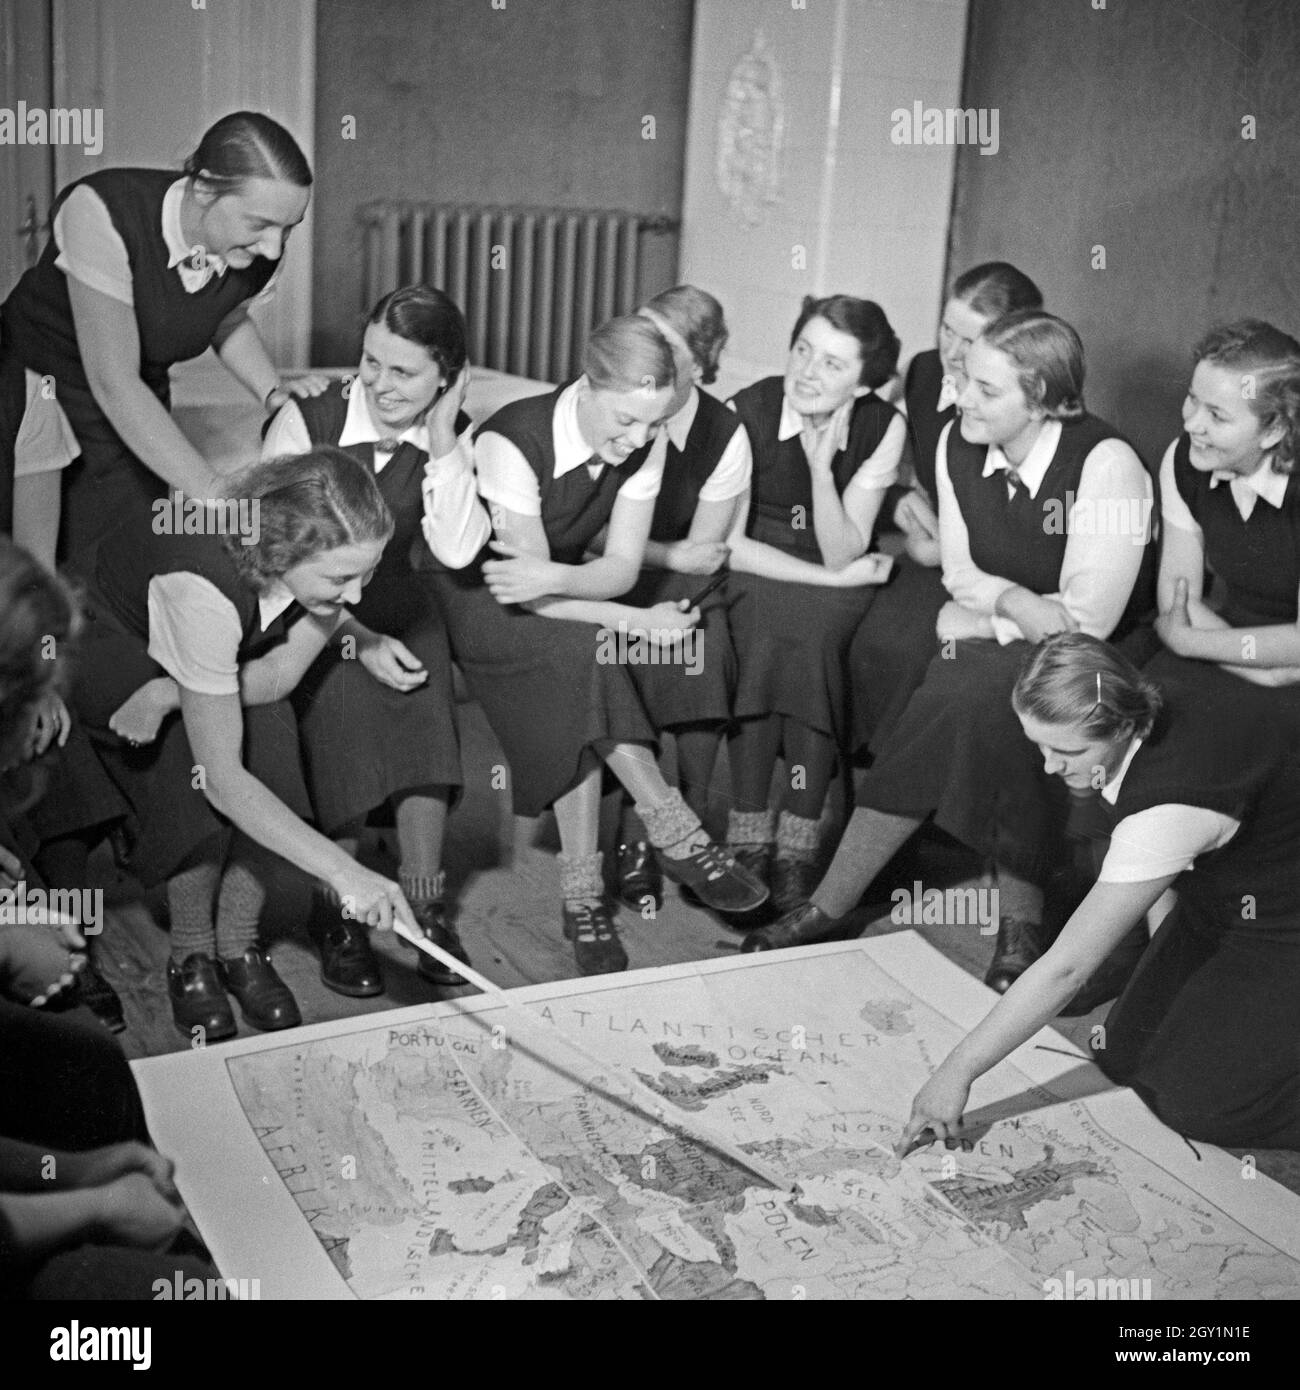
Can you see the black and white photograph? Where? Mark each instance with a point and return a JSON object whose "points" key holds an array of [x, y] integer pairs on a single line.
{"points": [[649, 652]]}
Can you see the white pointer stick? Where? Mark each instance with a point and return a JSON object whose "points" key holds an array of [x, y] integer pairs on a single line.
{"points": [[693, 1129]]}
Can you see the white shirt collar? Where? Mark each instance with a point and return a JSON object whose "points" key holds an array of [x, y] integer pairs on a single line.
{"points": [[1110, 792], [1037, 461], [792, 424], [272, 603], [179, 251], [571, 449], [359, 427], [679, 426], [948, 393], [1263, 482]]}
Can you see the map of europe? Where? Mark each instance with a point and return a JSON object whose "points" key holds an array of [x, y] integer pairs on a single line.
{"points": [[471, 1155]]}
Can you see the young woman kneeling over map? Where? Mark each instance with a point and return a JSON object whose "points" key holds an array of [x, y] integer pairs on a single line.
{"points": [[1207, 1031]]}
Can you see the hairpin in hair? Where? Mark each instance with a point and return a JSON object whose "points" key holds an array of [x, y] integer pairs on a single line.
{"points": [[1097, 706]]}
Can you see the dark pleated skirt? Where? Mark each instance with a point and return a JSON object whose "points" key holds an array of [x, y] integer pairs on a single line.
{"points": [[792, 644], [1282, 703], [542, 687], [162, 782], [1208, 1034], [78, 793], [958, 751], [364, 742], [891, 651], [697, 686], [107, 484]]}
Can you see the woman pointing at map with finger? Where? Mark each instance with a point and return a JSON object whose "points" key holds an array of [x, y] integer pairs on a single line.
{"points": [[1207, 1031]]}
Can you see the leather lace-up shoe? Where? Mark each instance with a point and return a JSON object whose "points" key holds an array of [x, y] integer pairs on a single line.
{"points": [[718, 878], [800, 927], [264, 999], [199, 998], [755, 860], [1016, 950], [596, 946], [348, 965], [431, 918], [638, 876]]}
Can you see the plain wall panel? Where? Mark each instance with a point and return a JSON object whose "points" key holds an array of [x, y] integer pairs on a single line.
{"points": [[1122, 128], [536, 103]]}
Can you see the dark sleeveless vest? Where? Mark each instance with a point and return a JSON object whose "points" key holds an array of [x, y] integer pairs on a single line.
{"points": [[173, 325], [687, 470], [781, 503], [1024, 538], [400, 480], [1210, 749], [925, 423], [1258, 560], [133, 554], [574, 507]]}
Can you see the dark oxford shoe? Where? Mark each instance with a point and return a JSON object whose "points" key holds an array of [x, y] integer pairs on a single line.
{"points": [[801, 927], [264, 999], [198, 998]]}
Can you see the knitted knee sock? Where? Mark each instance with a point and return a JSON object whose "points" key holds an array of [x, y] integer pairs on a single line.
{"points": [[239, 903], [672, 826], [750, 829], [582, 881], [796, 837], [419, 888], [191, 896]]}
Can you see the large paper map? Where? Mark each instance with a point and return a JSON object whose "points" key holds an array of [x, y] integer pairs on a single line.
{"points": [[435, 1153]]}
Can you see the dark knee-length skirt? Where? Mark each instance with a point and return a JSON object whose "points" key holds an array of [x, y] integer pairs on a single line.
{"points": [[1208, 1034], [162, 782], [543, 686], [958, 752], [1282, 702], [364, 742], [792, 643], [693, 683], [72, 791], [891, 651]]}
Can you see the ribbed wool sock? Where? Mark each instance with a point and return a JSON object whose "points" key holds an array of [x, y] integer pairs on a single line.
{"points": [[191, 900], [420, 888], [239, 908], [750, 829], [797, 837], [671, 826], [582, 880]]}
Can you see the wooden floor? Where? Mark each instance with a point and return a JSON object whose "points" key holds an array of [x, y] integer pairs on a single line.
{"points": [[508, 914]]}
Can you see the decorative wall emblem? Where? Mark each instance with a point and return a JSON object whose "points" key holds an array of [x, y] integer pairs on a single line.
{"points": [[751, 129]]}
